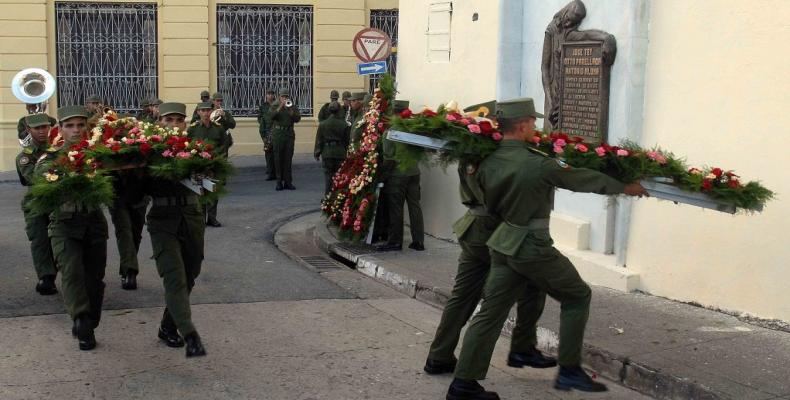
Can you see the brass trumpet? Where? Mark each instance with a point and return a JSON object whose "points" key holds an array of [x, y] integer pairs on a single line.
{"points": [[217, 114]]}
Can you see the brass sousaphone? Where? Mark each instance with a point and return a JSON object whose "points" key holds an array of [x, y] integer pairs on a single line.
{"points": [[33, 86]]}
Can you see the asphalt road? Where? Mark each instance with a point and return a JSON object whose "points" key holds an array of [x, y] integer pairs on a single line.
{"points": [[242, 264]]}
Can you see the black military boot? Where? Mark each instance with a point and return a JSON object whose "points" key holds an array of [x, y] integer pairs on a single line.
{"points": [[83, 327], [576, 378], [194, 345], [168, 331], [290, 186], [213, 222], [279, 186], [46, 285], [417, 246], [389, 247], [434, 367], [129, 281], [532, 358], [469, 389]]}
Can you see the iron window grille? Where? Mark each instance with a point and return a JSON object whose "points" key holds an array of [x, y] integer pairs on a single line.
{"points": [[387, 21], [109, 50], [264, 47]]}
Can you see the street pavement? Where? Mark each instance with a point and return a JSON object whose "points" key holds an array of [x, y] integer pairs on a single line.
{"points": [[273, 329]]}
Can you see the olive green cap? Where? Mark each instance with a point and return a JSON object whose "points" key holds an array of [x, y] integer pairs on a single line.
{"points": [[285, 92], [517, 108], [358, 96], [203, 105], [334, 95], [67, 112], [36, 120], [216, 96], [172, 108], [93, 99], [145, 102], [155, 101], [346, 95], [490, 105], [205, 93], [400, 105]]}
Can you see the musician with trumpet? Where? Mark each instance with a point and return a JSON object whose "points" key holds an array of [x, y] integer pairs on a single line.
{"points": [[21, 128], [210, 129], [284, 114], [222, 116]]}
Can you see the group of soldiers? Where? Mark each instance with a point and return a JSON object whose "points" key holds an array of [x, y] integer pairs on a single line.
{"points": [[340, 127], [72, 239]]}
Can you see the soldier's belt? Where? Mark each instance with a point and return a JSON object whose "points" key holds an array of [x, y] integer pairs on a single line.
{"points": [[76, 207], [535, 224], [174, 201], [478, 211], [334, 143]]}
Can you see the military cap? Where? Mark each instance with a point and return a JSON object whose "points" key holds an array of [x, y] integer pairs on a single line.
{"points": [[205, 93], [216, 96], [284, 92], [517, 108], [368, 97], [67, 112], [485, 110], [145, 102], [155, 101], [172, 108], [93, 99], [334, 107], [204, 105], [358, 96], [334, 95], [36, 120], [346, 95], [400, 105]]}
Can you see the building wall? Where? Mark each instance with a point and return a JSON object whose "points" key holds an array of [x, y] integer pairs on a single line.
{"points": [[187, 57], [468, 78], [717, 91]]}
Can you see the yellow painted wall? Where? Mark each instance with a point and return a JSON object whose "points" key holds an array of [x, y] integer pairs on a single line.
{"points": [[718, 92], [469, 77], [187, 57]]}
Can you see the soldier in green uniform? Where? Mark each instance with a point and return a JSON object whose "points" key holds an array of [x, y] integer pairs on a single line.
{"points": [[264, 129], [226, 120], [21, 128], [345, 113], [356, 116], [283, 137], [518, 186], [150, 110], [324, 112], [78, 233], [128, 218], [177, 225], [473, 231], [93, 104], [205, 97], [38, 126], [210, 131], [401, 186], [331, 141]]}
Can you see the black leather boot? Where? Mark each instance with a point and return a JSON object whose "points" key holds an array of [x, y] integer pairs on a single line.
{"points": [[434, 367], [576, 378], [194, 345], [83, 327], [469, 389], [129, 281], [168, 331], [389, 247], [279, 186], [532, 358], [46, 286]]}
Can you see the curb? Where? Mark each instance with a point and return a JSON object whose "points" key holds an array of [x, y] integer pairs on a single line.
{"points": [[642, 378]]}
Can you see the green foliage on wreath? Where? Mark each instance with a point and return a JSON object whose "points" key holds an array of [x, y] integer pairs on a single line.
{"points": [[46, 197]]}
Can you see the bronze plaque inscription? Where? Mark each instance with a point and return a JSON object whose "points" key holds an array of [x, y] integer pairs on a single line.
{"points": [[584, 100]]}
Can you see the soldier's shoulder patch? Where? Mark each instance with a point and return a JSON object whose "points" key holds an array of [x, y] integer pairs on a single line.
{"points": [[562, 164], [536, 151], [24, 160], [27, 150]]}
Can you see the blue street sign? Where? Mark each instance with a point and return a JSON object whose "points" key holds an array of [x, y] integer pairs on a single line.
{"points": [[375, 67]]}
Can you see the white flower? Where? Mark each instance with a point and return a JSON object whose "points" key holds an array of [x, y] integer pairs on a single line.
{"points": [[193, 151], [710, 176]]}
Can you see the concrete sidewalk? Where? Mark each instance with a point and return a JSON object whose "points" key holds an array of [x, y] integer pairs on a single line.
{"points": [[662, 348]]}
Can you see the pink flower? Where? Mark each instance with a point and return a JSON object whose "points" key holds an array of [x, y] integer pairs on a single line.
{"points": [[451, 117], [465, 121], [657, 157], [622, 152], [535, 139], [183, 154], [205, 154], [134, 131], [156, 138], [167, 153], [600, 151], [581, 148], [474, 128], [560, 143], [558, 149], [496, 136]]}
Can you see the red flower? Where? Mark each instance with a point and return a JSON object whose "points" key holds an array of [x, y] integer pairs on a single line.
{"points": [[577, 139], [108, 133], [717, 172], [115, 148], [428, 113], [486, 127], [145, 148], [707, 185], [734, 184], [406, 113]]}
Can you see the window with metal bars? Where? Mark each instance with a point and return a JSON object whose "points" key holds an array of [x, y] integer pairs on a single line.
{"points": [[263, 47], [108, 50], [387, 21]]}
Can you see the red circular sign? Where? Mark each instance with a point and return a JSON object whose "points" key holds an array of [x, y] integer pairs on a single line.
{"points": [[371, 44]]}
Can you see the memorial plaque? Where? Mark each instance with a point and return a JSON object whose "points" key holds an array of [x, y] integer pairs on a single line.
{"points": [[584, 91]]}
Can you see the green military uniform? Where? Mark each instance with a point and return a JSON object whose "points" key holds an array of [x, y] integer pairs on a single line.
{"points": [[331, 141], [518, 186], [227, 121], [283, 138], [264, 129], [402, 185], [345, 113], [473, 231], [128, 217], [324, 112], [204, 98], [21, 128], [215, 133], [144, 115], [78, 234], [357, 118], [36, 224]]}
